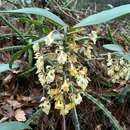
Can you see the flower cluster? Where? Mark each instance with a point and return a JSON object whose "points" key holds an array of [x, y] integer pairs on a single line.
{"points": [[39, 64], [62, 75], [117, 68]]}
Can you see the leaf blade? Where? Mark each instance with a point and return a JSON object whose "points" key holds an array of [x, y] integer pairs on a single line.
{"points": [[38, 11], [14, 125], [106, 112], [126, 56], [5, 67], [104, 16], [114, 47]]}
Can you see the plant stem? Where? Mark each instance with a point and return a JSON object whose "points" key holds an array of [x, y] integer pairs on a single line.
{"points": [[75, 116], [64, 123], [75, 119]]}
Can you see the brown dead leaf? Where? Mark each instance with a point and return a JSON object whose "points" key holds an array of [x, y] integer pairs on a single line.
{"points": [[7, 79], [14, 103], [7, 110], [20, 115], [98, 127], [5, 29], [4, 119], [24, 98]]}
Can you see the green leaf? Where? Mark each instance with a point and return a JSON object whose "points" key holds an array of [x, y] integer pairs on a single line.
{"points": [[14, 125], [105, 111], [14, 57], [38, 11], [126, 56], [18, 54], [104, 16], [123, 94], [114, 47], [11, 48], [5, 67], [30, 56]]}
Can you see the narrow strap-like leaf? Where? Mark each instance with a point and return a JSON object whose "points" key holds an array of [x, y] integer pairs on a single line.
{"points": [[38, 11], [105, 111], [5, 67], [104, 16], [14, 125], [114, 47]]}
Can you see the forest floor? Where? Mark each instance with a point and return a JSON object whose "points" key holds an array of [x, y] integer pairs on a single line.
{"points": [[20, 90]]}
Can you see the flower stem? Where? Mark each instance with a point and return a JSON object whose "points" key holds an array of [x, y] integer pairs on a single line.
{"points": [[75, 119]]}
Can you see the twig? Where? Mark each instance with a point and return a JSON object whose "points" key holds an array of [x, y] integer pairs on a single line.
{"points": [[71, 10], [68, 3], [60, 8], [14, 4]]}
